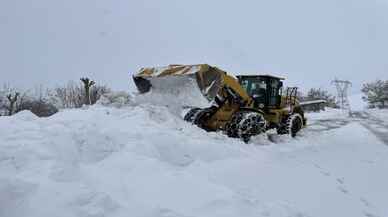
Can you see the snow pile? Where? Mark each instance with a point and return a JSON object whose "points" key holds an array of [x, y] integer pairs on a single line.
{"points": [[116, 99], [143, 160], [175, 92]]}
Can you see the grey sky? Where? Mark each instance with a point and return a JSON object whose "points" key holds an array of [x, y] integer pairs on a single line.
{"points": [[309, 42]]}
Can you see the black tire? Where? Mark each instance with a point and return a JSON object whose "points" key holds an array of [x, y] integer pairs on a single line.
{"points": [[245, 124], [192, 114], [294, 124], [200, 116]]}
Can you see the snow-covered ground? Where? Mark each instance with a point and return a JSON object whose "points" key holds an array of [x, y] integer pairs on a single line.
{"points": [[145, 161], [381, 114]]}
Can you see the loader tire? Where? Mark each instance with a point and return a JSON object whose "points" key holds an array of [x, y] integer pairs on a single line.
{"points": [[294, 124], [200, 117], [245, 124], [192, 114]]}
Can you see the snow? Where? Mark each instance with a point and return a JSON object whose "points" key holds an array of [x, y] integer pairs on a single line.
{"points": [[175, 93], [312, 102], [143, 160], [357, 103], [381, 114]]}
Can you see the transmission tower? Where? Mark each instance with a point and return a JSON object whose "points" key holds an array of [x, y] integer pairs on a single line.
{"points": [[342, 87]]}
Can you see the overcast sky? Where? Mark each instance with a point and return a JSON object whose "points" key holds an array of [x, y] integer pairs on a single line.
{"points": [[309, 42]]}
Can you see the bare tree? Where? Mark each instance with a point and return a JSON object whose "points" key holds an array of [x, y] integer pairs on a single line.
{"points": [[12, 99], [73, 95], [87, 85], [97, 91], [68, 96]]}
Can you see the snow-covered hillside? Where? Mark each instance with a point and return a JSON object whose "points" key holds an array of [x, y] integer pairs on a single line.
{"points": [[145, 161]]}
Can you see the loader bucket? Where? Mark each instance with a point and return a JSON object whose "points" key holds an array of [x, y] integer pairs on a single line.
{"points": [[207, 78]]}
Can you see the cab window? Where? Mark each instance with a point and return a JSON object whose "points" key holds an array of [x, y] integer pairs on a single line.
{"points": [[256, 88]]}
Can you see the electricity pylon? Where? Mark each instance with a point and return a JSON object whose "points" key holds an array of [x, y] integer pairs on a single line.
{"points": [[342, 87]]}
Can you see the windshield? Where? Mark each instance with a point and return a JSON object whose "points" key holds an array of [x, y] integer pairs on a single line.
{"points": [[255, 87]]}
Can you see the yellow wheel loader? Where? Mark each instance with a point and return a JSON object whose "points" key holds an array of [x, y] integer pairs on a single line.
{"points": [[241, 106]]}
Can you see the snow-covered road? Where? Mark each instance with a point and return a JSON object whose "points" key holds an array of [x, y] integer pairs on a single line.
{"points": [[377, 126], [145, 161]]}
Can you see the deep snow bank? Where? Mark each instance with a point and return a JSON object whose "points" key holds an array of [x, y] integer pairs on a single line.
{"points": [[71, 164], [143, 160]]}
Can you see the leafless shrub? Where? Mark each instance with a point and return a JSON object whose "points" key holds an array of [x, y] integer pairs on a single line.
{"points": [[116, 99], [39, 107], [74, 95]]}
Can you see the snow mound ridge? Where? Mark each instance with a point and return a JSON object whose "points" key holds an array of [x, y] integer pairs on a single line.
{"points": [[144, 160], [81, 160], [25, 115]]}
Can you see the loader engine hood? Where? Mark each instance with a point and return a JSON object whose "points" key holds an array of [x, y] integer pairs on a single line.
{"points": [[208, 79]]}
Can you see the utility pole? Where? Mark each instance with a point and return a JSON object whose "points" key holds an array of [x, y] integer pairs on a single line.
{"points": [[342, 87]]}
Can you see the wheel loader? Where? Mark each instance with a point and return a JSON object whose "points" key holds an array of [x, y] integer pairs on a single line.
{"points": [[241, 106]]}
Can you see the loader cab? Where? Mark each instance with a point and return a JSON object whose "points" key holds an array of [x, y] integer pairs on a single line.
{"points": [[265, 90]]}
